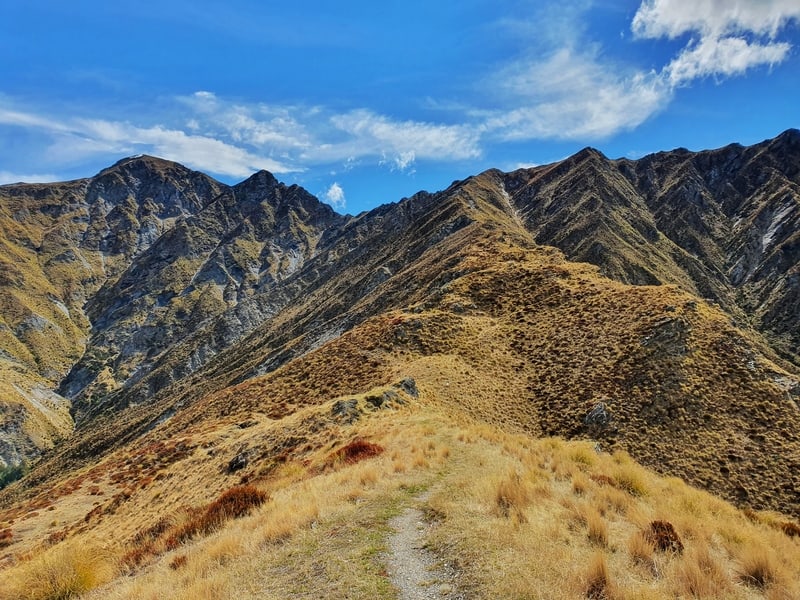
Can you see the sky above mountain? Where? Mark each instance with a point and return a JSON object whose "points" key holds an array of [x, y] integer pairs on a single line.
{"points": [[363, 103]]}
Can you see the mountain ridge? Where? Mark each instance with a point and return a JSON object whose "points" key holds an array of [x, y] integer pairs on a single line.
{"points": [[250, 281]]}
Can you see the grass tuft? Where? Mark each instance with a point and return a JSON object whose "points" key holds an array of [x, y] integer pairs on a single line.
{"points": [[701, 576], [597, 529], [63, 572], [758, 567], [512, 497], [597, 579], [641, 550]]}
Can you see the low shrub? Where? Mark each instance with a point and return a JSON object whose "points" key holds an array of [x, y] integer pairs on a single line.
{"points": [[355, 451], [232, 504], [663, 537], [6, 537]]}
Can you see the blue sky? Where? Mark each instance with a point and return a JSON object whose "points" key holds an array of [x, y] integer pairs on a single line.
{"points": [[364, 103]]}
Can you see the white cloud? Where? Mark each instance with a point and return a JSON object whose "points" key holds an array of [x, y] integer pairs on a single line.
{"points": [[335, 196], [197, 151], [75, 137], [316, 135], [572, 95], [8, 177], [404, 160], [712, 18], [575, 92], [728, 36], [722, 57], [379, 135], [18, 118]]}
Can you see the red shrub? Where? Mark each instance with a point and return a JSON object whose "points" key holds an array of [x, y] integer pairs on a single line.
{"points": [[232, 504], [662, 536], [6, 537], [356, 451]]}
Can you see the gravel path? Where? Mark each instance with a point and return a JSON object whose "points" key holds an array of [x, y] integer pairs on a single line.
{"points": [[414, 569]]}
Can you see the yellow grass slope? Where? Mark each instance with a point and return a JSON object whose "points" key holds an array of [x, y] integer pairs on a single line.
{"points": [[512, 516]]}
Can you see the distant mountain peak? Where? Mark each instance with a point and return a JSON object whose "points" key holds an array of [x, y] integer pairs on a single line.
{"points": [[144, 161], [259, 179]]}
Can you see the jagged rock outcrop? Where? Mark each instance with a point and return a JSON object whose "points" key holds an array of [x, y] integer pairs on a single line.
{"points": [[222, 260], [59, 243]]}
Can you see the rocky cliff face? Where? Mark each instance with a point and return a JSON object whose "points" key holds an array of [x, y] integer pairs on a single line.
{"points": [[59, 243], [221, 260]]}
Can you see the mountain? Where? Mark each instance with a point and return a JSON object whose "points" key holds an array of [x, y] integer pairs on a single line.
{"points": [[59, 243], [721, 224], [217, 334]]}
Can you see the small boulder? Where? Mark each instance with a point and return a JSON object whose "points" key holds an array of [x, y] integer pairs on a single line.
{"points": [[409, 386], [346, 411], [599, 416], [238, 462]]}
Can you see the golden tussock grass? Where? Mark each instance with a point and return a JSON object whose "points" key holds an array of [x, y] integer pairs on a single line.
{"points": [[512, 497], [596, 527], [641, 550], [64, 571], [758, 566], [701, 575], [580, 484], [597, 579], [520, 517]]}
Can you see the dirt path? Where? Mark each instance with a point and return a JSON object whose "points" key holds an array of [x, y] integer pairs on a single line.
{"points": [[415, 570]]}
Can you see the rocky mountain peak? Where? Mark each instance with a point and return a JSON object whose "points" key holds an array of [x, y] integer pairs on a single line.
{"points": [[261, 182]]}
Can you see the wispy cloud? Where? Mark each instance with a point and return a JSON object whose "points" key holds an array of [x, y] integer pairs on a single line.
{"points": [[573, 91], [713, 18], [74, 137], [314, 135], [9, 177], [725, 57], [335, 196], [572, 95]]}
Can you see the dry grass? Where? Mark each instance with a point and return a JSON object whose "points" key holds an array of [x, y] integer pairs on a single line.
{"points": [[596, 527], [597, 580], [701, 575], [512, 497], [759, 567], [499, 499], [65, 571], [641, 550]]}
